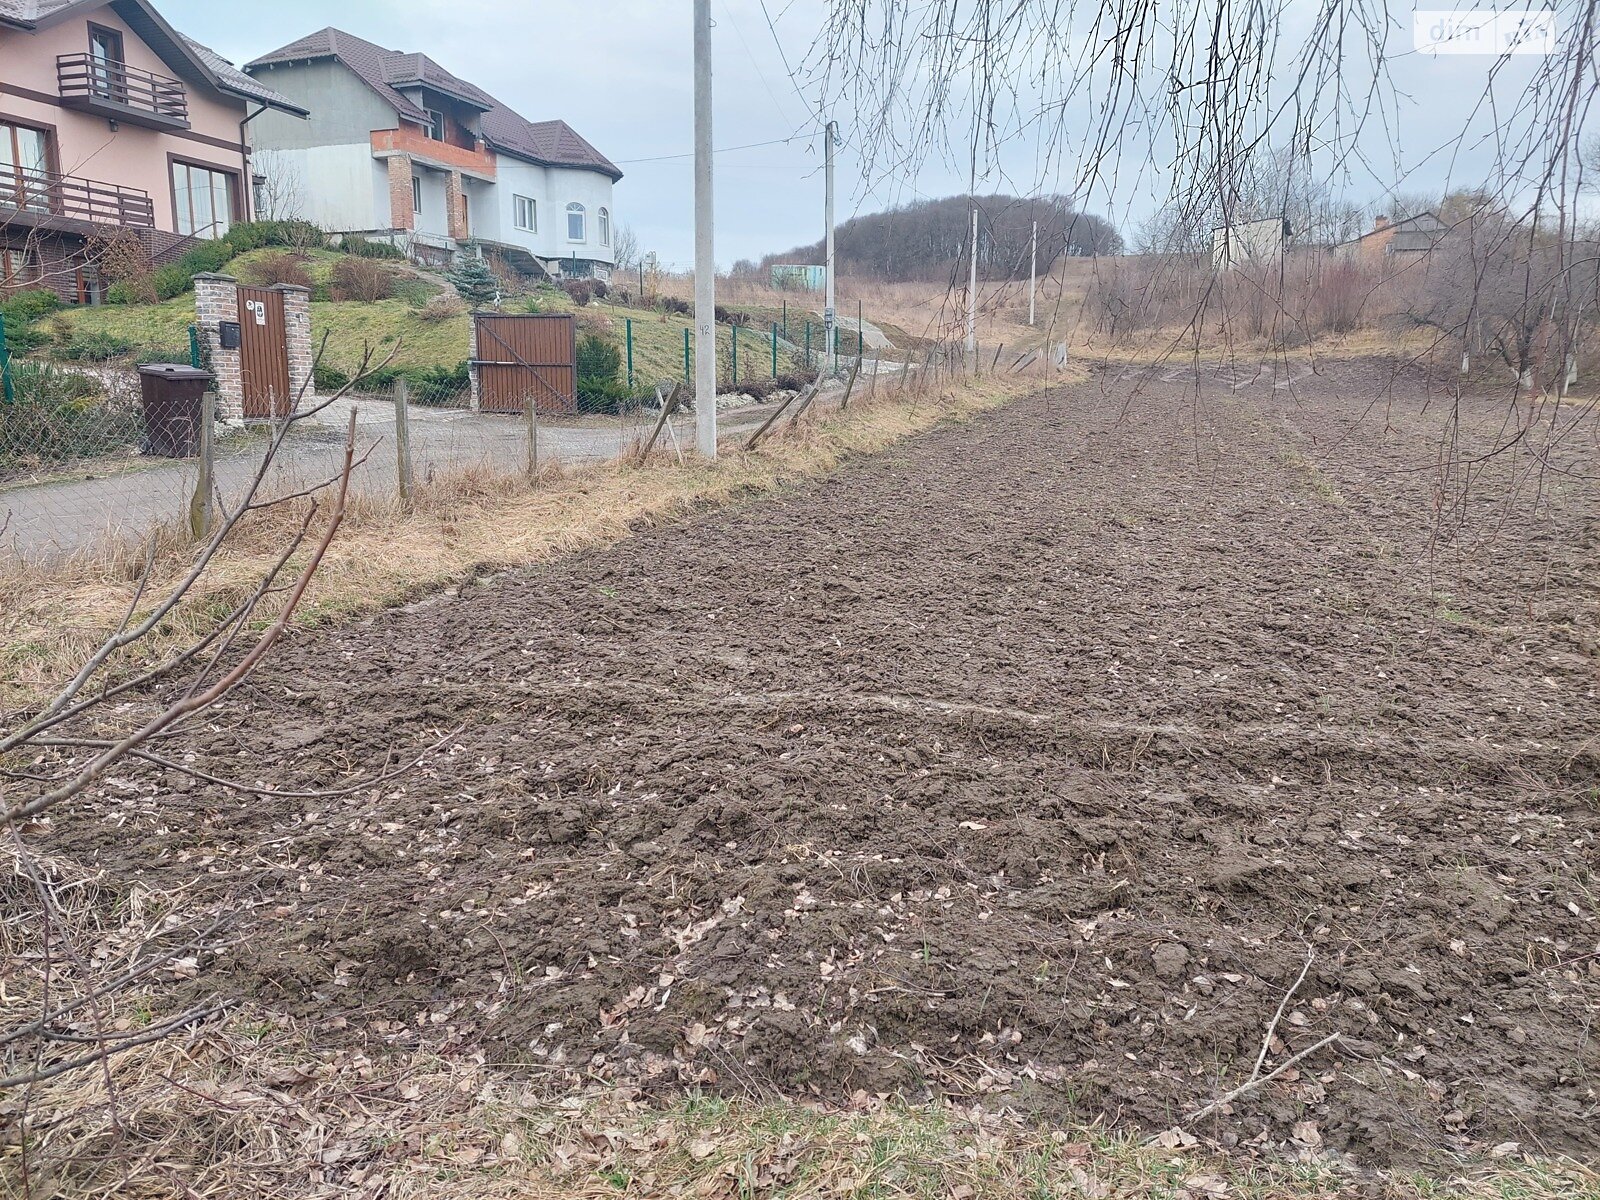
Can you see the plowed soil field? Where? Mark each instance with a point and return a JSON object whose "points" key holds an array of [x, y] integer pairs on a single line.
{"points": [[1055, 757]]}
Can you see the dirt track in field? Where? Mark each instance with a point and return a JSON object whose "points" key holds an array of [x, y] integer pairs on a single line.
{"points": [[1035, 757]]}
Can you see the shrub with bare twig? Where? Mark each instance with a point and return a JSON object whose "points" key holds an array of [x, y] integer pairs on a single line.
{"points": [[362, 280], [76, 952]]}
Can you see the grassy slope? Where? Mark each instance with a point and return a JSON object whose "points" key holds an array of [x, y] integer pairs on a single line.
{"points": [[658, 337]]}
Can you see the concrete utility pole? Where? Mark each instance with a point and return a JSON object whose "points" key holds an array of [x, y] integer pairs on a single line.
{"points": [[1033, 270], [705, 246], [829, 316], [972, 294]]}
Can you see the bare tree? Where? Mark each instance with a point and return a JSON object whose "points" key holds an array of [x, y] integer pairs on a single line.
{"points": [[626, 247], [280, 194]]}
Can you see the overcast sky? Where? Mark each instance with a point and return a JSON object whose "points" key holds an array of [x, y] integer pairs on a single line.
{"points": [[619, 71]]}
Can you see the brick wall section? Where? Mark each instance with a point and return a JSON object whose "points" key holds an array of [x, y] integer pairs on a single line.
{"points": [[166, 247], [297, 332], [454, 203], [216, 299], [401, 213], [57, 260]]}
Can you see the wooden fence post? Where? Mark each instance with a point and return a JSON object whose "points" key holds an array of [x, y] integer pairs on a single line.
{"points": [[402, 438], [667, 409], [530, 409], [200, 504], [849, 386], [808, 391]]}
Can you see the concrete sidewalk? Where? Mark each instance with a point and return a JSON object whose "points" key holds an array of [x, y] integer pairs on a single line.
{"points": [[130, 499]]}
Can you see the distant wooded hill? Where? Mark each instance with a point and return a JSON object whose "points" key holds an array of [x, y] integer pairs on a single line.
{"points": [[928, 239]]}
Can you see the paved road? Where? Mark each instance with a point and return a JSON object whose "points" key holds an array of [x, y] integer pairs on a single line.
{"points": [[45, 519]]}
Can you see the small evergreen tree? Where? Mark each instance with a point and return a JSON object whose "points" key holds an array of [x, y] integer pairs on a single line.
{"points": [[599, 363], [475, 282]]}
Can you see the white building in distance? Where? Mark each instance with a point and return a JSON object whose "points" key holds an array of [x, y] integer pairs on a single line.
{"points": [[398, 148]]}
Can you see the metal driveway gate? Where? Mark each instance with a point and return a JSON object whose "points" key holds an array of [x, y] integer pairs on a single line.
{"points": [[523, 355], [263, 354]]}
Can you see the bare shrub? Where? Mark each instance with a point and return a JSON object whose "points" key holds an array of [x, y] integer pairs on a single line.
{"points": [[119, 255], [1339, 296], [361, 280], [274, 270], [1503, 288], [579, 290], [446, 306]]}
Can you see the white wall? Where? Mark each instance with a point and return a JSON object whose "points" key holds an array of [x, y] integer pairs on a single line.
{"points": [[433, 218], [552, 188], [332, 185], [483, 207]]}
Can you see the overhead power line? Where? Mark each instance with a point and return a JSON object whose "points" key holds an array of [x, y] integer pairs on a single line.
{"points": [[784, 141]]}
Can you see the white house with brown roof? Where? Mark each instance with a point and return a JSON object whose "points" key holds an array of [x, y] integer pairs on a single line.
{"points": [[397, 147]]}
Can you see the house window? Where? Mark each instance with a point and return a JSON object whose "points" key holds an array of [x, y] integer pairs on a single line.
{"points": [[605, 227], [204, 200], [24, 168], [416, 193], [435, 128], [526, 213], [107, 72], [576, 216], [19, 267]]}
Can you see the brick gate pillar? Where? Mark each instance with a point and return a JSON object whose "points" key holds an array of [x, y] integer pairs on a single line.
{"points": [[297, 334], [216, 299]]}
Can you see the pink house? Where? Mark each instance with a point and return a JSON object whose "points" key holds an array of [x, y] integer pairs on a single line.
{"points": [[111, 118]]}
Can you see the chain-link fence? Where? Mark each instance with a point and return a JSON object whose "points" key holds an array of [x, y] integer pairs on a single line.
{"points": [[79, 468]]}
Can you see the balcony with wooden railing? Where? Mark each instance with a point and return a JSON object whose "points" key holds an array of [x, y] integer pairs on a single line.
{"points": [[45, 200], [119, 92]]}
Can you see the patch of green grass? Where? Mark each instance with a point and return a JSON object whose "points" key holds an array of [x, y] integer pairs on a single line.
{"points": [[657, 337], [658, 344]]}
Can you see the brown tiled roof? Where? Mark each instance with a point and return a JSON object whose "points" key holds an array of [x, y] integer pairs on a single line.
{"points": [[362, 57], [235, 80], [553, 143]]}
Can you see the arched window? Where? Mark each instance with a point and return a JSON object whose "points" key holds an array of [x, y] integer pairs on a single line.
{"points": [[605, 227], [576, 216]]}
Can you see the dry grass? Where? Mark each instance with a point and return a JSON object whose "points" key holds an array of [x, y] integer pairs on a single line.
{"points": [[918, 313]]}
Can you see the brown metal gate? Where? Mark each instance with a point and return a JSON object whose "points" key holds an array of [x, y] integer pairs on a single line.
{"points": [[526, 354], [263, 354]]}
